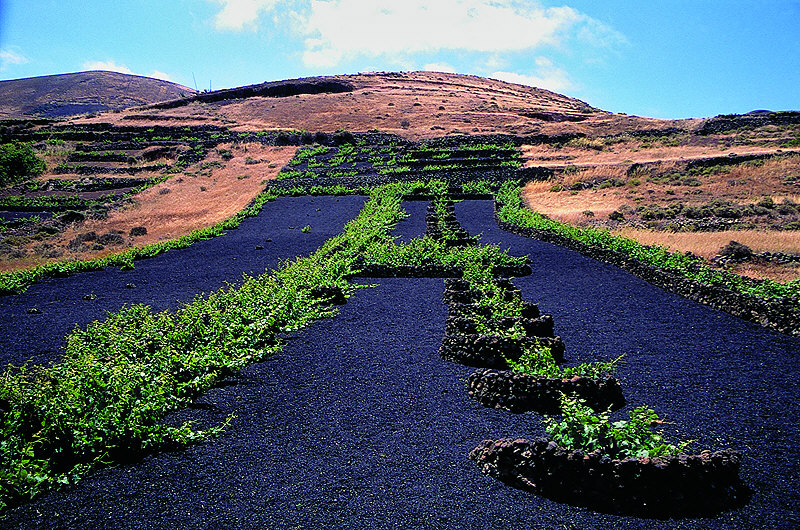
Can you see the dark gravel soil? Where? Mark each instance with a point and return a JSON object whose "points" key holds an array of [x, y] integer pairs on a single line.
{"points": [[12, 216], [724, 382], [414, 225], [170, 279], [359, 424]]}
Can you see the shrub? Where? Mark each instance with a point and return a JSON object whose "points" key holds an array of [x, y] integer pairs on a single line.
{"points": [[538, 360], [581, 429], [18, 161], [616, 215], [766, 202]]}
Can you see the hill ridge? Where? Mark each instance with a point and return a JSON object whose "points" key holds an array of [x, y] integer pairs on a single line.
{"points": [[71, 94]]}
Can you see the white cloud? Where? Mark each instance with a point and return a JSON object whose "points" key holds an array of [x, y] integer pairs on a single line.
{"points": [[109, 66], [9, 57], [495, 62], [112, 66], [158, 74], [336, 30], [546, 75], [440, 67], [238, 14]]}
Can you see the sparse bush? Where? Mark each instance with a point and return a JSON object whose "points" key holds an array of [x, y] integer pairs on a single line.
{"points": [[616, 215], [766, 202]]}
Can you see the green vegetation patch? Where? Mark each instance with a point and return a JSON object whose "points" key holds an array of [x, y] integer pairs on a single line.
{"points": [[118, 378], [580, 428], [18, 162]]}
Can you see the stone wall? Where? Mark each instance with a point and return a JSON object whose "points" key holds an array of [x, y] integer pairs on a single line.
{"points": [[515, 392], [668, 486]]}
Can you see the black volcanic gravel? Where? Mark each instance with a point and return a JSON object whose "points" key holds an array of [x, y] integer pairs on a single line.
{"points": [[414, 225], [724, 382], [12, 216], [168, 280], [359, 424]]}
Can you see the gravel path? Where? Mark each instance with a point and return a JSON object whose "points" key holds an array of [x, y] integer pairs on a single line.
{"points": [[168, 280], [359, 424]]}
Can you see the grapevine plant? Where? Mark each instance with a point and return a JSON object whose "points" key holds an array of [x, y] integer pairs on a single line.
{"points": [[580, 428]]}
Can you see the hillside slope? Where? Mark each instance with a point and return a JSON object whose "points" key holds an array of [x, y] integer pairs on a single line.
{"points": [[415, 105], [63, 95], [683, 184]]}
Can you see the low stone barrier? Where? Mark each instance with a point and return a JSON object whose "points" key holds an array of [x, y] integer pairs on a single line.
{"points": [[516, 392], [668, 486], [471, 296], [491, 351]]}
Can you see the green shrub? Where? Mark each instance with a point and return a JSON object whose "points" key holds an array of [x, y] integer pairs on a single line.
{"points": [[18, 161], [478, 187], [538, 360], [580, 428]]}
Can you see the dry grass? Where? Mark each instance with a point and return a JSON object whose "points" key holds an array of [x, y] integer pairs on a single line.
{"points": [[778, 273], [708, 244], [588, 174], [193, 201], [631, 152], [568, 206]]}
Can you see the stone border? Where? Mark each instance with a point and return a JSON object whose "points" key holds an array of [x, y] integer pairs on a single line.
{"points": [[534, 327], [780, 315], [490, 351], [516, 392], [668, 486]]}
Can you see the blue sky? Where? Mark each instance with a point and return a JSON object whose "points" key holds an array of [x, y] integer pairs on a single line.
{"points": [[687, 58]]}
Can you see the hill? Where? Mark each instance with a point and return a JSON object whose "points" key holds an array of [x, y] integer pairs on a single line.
{"points": [[415, 105], [65, 95], [684, 184]]}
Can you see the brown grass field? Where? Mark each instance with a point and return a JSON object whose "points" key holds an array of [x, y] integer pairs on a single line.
{"points": [[196, 199], [741, 184]]}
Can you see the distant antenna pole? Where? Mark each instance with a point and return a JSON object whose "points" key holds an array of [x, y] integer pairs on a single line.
{"points": [[209, 85], [195, 82]]}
